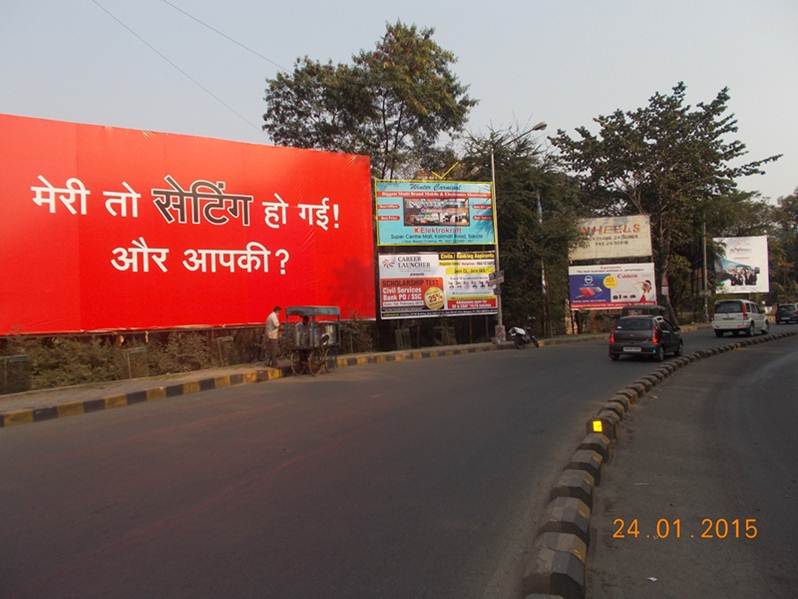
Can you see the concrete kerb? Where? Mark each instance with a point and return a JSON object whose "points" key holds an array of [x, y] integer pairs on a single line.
{"points": [[556, 565], [255, 375]]}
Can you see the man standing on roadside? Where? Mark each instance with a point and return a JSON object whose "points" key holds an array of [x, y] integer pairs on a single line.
{"points": [[273, 337]]}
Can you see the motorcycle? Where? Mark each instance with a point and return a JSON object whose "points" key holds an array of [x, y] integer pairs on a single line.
{"points": [[521, 338]]}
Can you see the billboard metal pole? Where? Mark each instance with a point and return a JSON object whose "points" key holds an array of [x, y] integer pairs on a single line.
{"points": [[499, 333]]}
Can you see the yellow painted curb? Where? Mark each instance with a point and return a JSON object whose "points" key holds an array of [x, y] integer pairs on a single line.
{"points": [[20, 417], [221, 381], [70, 409], [380, 359], [274, 373], [192, 387], [157, 393], [117, 401], [251, 377], [362, 360]]}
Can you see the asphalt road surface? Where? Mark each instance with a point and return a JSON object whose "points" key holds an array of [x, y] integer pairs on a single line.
{"points": [[716, 442], [415, 479]]}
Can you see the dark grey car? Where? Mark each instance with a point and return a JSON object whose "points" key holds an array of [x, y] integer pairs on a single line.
{"points": [[786, 313], [645, 336]]}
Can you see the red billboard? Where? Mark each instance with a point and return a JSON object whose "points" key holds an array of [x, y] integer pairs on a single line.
{"points": [[105, 228]]}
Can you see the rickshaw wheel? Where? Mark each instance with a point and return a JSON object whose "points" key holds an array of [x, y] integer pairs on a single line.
{"points": [[316, 361], [297, 364]]}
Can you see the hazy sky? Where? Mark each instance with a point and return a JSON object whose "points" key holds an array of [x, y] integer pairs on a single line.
{"points": [[560, 61]]}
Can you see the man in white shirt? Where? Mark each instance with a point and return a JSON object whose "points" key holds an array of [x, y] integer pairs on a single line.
{"points": [[273, 336]]}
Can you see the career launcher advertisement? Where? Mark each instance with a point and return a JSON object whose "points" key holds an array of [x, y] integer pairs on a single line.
{"points": [[434, 213], [430, 284]]}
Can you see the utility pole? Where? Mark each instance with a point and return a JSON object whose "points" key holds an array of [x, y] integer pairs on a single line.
{"points": [[544, 291]]}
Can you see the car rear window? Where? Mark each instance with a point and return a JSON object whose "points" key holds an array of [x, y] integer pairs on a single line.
{"points": [[634, 324], [728, 307], [787, 308]]}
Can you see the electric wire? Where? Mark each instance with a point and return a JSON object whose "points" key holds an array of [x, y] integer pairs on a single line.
{"points": [[176, 66], [224, 35]]}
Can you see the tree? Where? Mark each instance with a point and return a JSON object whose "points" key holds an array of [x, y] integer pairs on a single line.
{"points": [[525, 241], [392, 103], [667, 159]]}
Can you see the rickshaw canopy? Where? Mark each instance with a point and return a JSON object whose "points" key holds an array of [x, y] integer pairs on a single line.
{"points": [[313, 311]]}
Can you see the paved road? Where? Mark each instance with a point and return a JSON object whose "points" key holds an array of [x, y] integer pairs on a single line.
{"points": [[718, 441], [415, 479]]}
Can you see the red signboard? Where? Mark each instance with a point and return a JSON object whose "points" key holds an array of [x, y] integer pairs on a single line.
{"points": [[109, 229]]}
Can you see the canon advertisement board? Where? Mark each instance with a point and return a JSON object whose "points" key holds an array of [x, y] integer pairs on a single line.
{"points": [[612, 237], [611, 286], [434, 213], [741, 265], [111, 229], [430, 284]]}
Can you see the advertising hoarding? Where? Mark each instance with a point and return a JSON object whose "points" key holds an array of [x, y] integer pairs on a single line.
{"points": [[109, 229], [434, 213], [611, 286], [613, 237], [742, 267], [428, 284]]}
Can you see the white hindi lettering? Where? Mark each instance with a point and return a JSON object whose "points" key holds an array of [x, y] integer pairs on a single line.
{"points": [[121, 199], [274, 212], [205, 200], [253, 258], [74, 191], [129, 258], [317, 214]]}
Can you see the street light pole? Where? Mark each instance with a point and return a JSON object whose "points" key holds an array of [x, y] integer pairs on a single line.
{"points": [[500, 332], [543, 287], [706, 284]]}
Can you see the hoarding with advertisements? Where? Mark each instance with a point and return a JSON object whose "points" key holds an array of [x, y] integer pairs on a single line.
{"points": [[613, 237], [430, 284], [742, 265], [611, 286], [111, 229], [434, 213]]}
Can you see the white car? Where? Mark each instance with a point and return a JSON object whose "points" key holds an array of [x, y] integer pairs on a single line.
{"points": [[739, 316]]}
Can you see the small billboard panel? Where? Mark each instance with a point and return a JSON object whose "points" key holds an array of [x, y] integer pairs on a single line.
{"points": [[743, 265], [613, 237], [434, 213], [429, 284], [611, 286]]}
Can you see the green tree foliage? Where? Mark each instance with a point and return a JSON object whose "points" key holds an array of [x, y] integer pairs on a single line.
{"points": [[667, 159], [392, 103], [521, 175], [783, 249]]}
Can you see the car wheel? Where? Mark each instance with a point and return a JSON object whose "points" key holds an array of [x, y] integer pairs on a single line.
{"points": [[718, 333], [614, 357], [751, 330], [659, 356], [679, 349]]}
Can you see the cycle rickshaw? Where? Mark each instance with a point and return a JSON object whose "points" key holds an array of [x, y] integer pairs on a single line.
{"points": [[313, 340]]}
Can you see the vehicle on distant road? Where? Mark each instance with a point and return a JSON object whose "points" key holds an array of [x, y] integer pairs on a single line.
{"points": [[645, 335], [521, 338], [739, 316], [786, 313]]}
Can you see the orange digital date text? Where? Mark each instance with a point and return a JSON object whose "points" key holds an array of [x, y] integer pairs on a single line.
{"points": [[671, 528]]}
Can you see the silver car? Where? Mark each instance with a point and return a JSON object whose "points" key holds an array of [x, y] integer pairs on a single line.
{"points": [[739, 316]]}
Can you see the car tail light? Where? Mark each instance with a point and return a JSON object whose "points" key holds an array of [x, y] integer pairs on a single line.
{"points": [[745, 313], [654, 335], [612, 338]]}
